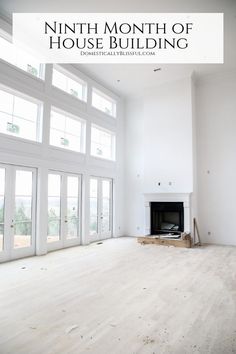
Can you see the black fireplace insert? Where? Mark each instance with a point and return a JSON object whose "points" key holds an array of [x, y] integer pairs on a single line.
{"points": [[167, 218]]}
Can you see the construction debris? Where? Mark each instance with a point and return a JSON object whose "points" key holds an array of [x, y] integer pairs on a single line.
{"points": [[183, 241], [71, 328]]}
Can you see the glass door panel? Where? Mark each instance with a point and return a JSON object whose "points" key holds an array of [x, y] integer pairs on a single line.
{"points": [[17, 211], [93, 206], [22, 222], [2, 207], [54, 207], [100, 208], [64, 197], [72, 212], [106, 207]]}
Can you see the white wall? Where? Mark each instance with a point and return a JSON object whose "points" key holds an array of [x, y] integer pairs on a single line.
{"points": [[158, 147], [216, 152], [194, 196]]}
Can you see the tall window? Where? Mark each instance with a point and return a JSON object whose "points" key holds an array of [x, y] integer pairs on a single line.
{"points": [[67, 131], [23, 215], [69, 83], [54, 207], [2, 206], [19, 57], [93, 206], [20, 116], [102, 143], [103, 102]]}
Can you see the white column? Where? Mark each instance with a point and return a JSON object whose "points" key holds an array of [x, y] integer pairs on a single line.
{"points": [[147, 219], [187, 227]]}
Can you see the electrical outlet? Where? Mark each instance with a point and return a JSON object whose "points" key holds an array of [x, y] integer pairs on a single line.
{"points": [[209, 233]]}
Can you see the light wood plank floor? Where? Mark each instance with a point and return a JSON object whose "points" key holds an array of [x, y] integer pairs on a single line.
{"points": [[120, 298]]}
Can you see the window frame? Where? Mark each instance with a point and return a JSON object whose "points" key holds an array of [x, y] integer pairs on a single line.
{"points": [[68, 74], [39, 118], [42, 68], [108, 98], [83, 131], [113, 143]]}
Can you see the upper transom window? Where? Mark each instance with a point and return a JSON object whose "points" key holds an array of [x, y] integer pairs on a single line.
{"points": [[102, 143], [19, 57], [69, 83], [103, 102], [67, 131], [20, 116]]}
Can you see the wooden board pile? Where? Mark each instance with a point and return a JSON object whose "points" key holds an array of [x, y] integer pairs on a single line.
{"points": [[183, 241]]}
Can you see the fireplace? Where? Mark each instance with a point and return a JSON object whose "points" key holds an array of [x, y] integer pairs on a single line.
{"points": [[167, 217], [172, 198]]}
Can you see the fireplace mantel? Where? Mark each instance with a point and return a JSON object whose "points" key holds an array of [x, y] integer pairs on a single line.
{"points": [[185, 198]]}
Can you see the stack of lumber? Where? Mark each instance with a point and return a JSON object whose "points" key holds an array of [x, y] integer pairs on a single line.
{"points": [[184, 241]]}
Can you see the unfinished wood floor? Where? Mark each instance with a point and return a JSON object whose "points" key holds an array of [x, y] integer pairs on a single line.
{"points": [[120, 298]]}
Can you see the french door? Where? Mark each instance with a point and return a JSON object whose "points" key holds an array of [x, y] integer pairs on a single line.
{"points": [[64, 210], [17, 211], [100, 208]]}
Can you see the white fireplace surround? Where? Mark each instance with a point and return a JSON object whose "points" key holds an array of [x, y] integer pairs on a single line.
{"points": [[185, 198]]}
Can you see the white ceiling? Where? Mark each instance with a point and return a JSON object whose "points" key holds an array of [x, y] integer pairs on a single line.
{"points": [[139, 77]]}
